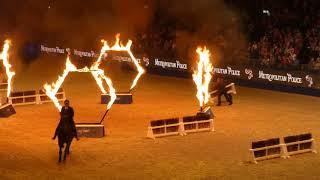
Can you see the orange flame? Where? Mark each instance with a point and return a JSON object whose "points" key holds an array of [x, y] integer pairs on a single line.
{"points": [[119, 47], [5, 58], [202, 75], [97, 73]]}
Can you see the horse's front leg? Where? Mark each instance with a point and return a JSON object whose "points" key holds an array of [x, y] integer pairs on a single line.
{"points": [[68, 149], [60, 153], [65, 153], [68, 146]]}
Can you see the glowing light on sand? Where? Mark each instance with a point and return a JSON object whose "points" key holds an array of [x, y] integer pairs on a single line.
{"points": [[4, 56], [202, 75]]}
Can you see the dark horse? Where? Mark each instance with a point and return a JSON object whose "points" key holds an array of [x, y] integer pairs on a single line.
{"points": [[66, 129], [65, 136]]}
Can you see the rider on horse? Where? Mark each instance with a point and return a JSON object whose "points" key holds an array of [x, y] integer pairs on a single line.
{"points": [[66, 114]]}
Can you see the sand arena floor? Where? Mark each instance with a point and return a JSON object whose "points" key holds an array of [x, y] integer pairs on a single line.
{"points": [[27, 151]]}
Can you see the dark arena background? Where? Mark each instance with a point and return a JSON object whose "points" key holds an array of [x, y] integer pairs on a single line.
{"points": [[269, 49]]}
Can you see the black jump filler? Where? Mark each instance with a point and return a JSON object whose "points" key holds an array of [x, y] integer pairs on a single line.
{"points": [[92, 130], [122, 98]]}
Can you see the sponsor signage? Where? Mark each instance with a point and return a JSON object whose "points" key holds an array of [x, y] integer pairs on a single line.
{"points": [[227, 71], [296, 78], [173, 67], [170, 64], [75, 52]]}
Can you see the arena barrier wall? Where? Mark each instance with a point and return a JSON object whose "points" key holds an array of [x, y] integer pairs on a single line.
{"points": [[32, 97], [293, 81]]}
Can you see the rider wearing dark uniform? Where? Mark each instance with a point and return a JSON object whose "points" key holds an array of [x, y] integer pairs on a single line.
{"points": [[220, 86], [67, 113]]}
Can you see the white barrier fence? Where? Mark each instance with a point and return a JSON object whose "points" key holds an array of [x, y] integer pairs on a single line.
{"points": [[266, 149], [23, 98], [298, 144], [193, 124], [3, 86], [176, 126], [33, 97], [43, 98], [165, 127], [273, 148]]}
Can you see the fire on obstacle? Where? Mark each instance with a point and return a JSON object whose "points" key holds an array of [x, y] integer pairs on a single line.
{"points": [[119, 47], [202, 76], [96, 72], [4, 56]]}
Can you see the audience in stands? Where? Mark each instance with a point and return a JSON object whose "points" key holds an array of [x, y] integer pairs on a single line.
{"points": [[286, 37]]}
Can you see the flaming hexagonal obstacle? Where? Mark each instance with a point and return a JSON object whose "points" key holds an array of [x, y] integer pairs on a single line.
{"points": [[97, 73], [95, 129], [122, 98], [84, 129]]}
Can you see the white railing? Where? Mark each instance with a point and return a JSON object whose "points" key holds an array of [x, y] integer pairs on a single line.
{"points": [[284, 150], [32, 97], [179, 127]]}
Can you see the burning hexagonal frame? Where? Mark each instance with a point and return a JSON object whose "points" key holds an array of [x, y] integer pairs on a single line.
{"points": [[96, 72]]}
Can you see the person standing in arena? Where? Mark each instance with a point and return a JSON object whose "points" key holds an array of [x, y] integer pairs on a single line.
{"points": [[220, 86]]}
